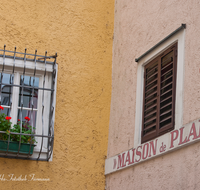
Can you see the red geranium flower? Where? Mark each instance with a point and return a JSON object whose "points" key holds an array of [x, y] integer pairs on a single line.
{"points": [[27, 118], [18, 119], [7, 118], [1, 108]]}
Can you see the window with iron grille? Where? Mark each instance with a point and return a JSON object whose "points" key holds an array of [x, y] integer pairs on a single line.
{"points": [[159, 95], [27, 96]]}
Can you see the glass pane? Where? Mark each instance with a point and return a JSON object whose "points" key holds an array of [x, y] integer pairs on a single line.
{"points": [[29, 93], [7, 79], [6, 89], [27, 113], [6, 111]]}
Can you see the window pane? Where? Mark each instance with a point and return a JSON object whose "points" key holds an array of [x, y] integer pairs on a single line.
{"points": [[6, 89], [6, 111], [31, 114], [29, 93]]}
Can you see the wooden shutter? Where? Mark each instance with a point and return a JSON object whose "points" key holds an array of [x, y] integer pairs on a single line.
{"points": [[150, 102], [159, 95]]}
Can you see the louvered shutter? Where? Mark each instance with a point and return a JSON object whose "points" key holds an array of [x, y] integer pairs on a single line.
{"points": [[150, 101], [159, 95]]}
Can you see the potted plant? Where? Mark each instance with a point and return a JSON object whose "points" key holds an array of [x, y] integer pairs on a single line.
{"points": [[11, 141]]}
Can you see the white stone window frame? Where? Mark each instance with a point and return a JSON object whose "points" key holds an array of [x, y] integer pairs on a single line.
{"points": [[179, 38], [29, 70]]}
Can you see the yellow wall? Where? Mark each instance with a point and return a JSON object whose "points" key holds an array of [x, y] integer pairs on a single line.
{"points": [[80, 31]]}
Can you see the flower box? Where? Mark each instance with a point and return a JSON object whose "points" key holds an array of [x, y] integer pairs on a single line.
{"points": [[14, 146]]}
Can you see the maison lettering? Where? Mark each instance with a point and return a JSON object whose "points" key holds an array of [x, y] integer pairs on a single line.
{"points": [[135, 155], [177, 138]]}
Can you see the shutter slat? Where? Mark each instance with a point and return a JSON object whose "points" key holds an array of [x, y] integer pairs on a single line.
{"points": [[154, 67], [166, 99], [149, 133], [151, 88], [150, 126], [151, 83], [166, 92], [151, 76], [167, 65], [151, 94], [166, 85], [150, 119], [166, 79], [166, 112], [165, 105], [167, 72], [150, 100], [151, 113], [165, 119], [154, 105]]}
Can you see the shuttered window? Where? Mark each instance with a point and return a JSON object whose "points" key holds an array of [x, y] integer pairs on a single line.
{"points": [[159, 95]]}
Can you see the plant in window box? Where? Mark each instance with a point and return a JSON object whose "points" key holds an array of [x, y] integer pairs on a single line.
{"points": [[5, 125], [27, 141]]}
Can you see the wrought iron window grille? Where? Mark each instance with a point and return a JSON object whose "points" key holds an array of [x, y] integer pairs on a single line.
{"points": [[28, 88]]}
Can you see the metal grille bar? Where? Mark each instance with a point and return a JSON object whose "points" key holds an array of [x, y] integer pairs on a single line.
{"points": [[51, 120], [43, 105], [37, 88], [40, 56]]}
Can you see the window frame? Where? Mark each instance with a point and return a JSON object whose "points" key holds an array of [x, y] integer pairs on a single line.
{"points": [[179, 38], [46, 71]]}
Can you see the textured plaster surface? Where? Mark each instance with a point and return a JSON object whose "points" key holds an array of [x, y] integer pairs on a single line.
{"points": [[179, 170], [139, 25], [81, 32]]}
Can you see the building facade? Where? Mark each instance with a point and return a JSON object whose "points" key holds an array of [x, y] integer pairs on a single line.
{"points": [[81, 33], [154, 119]]}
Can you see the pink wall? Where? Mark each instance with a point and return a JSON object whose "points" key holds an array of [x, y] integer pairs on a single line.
{"points": [[139, 25]]}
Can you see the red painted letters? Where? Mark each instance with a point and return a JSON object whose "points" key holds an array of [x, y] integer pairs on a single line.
{"points": [[133, 156], [181, 137], [149, 149], [153, 147], [145, 151], [138, 153], [172, 138], [121, 161], [128, 158]]}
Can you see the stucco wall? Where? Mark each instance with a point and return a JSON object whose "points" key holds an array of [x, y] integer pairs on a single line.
{"points": [[81, 32], [139, 25]]}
